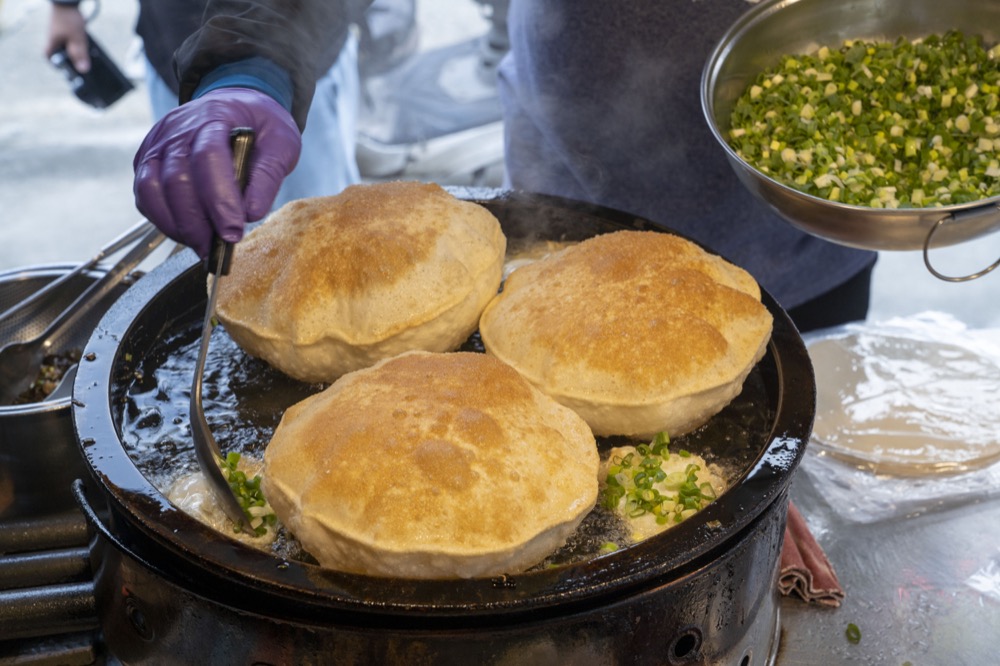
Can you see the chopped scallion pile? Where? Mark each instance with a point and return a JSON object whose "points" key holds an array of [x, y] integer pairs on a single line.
{"points": [[901, 124], [640, 479], [260, 516]]}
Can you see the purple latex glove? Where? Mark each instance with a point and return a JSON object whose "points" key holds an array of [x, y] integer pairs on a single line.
{"points": [[185, 183]]}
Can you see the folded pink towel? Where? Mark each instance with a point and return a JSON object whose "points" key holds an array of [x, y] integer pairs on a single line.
{"points": [[805, 570]]}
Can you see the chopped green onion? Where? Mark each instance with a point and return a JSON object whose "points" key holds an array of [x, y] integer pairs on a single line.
{"points": [[853, 633], [259, 514], [633, 477], [899, 124]]}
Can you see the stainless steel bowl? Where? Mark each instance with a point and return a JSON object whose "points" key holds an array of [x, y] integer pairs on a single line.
{"points": [[39, 458], [774, 28]]}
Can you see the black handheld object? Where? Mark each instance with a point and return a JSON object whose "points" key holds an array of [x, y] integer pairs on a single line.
{"points": [[221, 254], [100, 87]]}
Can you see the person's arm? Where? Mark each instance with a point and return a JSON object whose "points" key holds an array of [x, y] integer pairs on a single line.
{"points": [[301, 37], [68, 28], [250, 64]]}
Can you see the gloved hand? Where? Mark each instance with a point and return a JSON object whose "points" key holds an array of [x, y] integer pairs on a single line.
{"points": [[185, 182]]}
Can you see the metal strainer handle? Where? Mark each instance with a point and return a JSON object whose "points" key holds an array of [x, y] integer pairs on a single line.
{"points": [[942, 276]]}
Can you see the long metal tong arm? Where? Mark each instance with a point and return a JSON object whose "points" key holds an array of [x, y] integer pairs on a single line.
{"points": [[124, 240]]}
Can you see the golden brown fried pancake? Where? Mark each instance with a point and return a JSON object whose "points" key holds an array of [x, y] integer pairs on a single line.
{"points": [[328, 285], [431, 466], [639, 332]]}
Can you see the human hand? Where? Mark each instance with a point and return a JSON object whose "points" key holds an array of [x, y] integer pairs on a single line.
{"points": [[185, 183], [68, 28]]}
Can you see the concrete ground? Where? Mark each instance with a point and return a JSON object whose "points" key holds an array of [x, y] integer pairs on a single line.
{"points": [[66, 169]]}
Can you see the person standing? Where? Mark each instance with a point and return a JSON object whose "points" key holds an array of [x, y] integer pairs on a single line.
{"points": [[602, 104]]}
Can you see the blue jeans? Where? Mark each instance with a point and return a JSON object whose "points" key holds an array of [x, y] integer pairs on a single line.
{"points": [[327, 164]]}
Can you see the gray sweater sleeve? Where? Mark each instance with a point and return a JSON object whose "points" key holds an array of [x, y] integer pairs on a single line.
{"points": [[303, 37]]}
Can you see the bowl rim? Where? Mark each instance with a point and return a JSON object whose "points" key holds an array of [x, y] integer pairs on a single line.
{"points": [[53, 270]]}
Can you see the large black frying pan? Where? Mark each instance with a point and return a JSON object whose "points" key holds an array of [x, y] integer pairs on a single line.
{"points": [[704, 590]]}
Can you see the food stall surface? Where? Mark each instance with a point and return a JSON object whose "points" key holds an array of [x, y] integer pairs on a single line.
{"points": [[922, 584], [921, 589]]}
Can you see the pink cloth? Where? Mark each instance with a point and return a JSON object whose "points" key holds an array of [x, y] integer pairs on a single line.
{"points": [[805, 570]]}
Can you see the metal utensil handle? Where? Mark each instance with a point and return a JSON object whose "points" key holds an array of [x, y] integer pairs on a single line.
{"points": [[123, 240], [100, 287], [942, 276], [221, 254], [209, 453]]}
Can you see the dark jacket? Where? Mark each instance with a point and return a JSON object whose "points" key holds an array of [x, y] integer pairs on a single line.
{"points": [[602, 104], [186, 39]]}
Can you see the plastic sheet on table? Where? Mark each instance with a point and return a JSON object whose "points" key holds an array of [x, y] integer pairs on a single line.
{"points": [[907, 417], [856, 494]]}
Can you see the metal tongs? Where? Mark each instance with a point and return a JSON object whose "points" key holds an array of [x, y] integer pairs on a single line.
{"points": [[21, 359], [32, 313], [210, 457]]}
